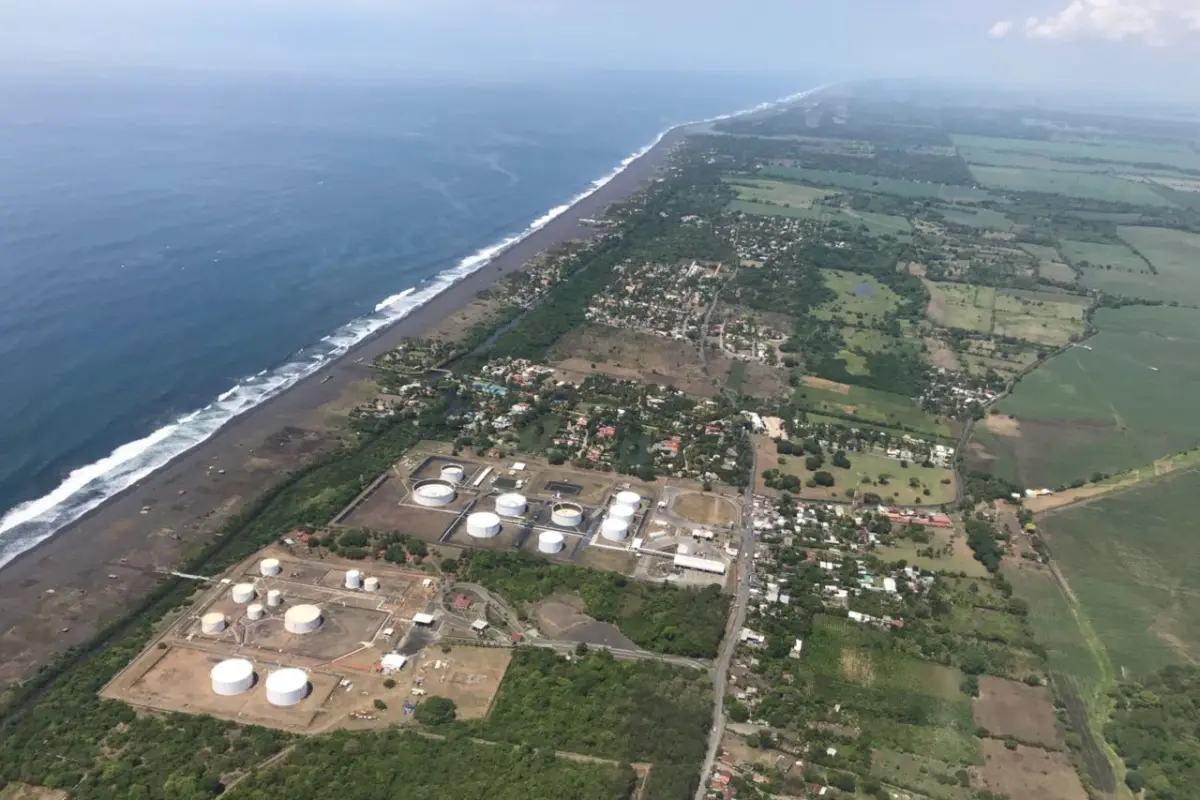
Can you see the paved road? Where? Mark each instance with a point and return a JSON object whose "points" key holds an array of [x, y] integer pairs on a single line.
{"points": [[745, 564], [618, 652]]}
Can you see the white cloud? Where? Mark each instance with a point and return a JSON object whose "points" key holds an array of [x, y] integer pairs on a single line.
{"points": [[1155, 22], [1000, 29]]}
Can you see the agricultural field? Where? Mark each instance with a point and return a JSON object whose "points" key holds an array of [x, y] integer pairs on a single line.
{"points": [[1041, 317], [976, 217], [869, 472], [959, 560], [778, 193], [861, 299], [1068, 152], [1094, 255], [1084, 185], [1175, 256], [1129, 560], [869, 405], [878, 185], [1005, 359], [1122, 399]]}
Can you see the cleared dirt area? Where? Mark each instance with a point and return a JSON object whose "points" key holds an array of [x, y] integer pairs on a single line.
{"points": [[1029, 773], [633, 356], [941, 355], [825, 383], [470, 676], [1002, 425], [1008, 708], [23, 791], [705, 509], [560, 618], [857, 667]]}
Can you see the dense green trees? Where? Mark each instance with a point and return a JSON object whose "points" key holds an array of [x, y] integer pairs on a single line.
{"points": [[436, 711], [983, 540], [1154, 729]]}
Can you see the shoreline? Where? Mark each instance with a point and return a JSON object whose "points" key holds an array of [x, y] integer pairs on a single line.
{"points": [[59, 592]]}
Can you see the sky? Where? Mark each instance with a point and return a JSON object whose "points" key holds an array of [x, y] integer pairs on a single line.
{"points": [[1128, 46]]}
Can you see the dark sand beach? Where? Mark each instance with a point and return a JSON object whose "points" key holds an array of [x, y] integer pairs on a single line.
{"points": [[58, 594]]}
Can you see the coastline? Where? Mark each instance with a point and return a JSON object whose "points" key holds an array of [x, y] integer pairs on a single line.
{"points": [[56, 594]]}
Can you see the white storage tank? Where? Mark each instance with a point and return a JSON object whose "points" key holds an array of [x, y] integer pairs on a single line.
{"points": [[287, 687], [433, 493], [511, 504], [614, 529], [453, 473], [269, 567], [566, 515], [371, 584], [274, 598], [622, 511], [212, 623], [232, 676], [483, 525], [254, 611], [302, 619], [628, 498], [550, 542], [353, 579], [242, 592]]}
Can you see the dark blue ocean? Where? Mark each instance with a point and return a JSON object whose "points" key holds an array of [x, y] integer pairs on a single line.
{"points": [[174, 248]]}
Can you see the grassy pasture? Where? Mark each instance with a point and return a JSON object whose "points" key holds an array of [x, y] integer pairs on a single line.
{"points": [[878, 185], [860, 298], [1042, 317], [960, 560], [870, 405], [931, 777], [976, 217], [1131, 560], [777, 192], [1124, 398], [1174, 254], [878, 224], [1040, 252], [1070, 152], [1084, 185], [865, 473], [1056, 271], [1116, 256]]}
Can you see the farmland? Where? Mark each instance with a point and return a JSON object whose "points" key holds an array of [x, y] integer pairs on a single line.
{"points": [[1121, 400], [975, 217], [1040, 317], [1103, 256], [777, 192], [1070, 152], [1084, 185], [871, 472], [869, 405], [878, 185], [860, 298]]}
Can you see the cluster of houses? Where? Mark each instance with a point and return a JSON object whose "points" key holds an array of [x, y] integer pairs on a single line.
{"points": [[669, 300], [959, 394]]}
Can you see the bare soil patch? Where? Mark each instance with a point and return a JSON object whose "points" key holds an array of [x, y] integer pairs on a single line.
{"points": [[941, 354], [825, 383], [706, 509], [1027, 772], [631, 355], [25, 791], [858, 668], [1002, 425], [936, 311], [1009, 708]]}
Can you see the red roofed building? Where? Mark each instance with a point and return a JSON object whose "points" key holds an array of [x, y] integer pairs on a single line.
{"points": [[462, 601], [606, 432]]}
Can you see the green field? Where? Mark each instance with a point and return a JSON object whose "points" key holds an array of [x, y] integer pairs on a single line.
{"points": [[1117, 256], [976, 217], [1040, 252], [861, 298], [878, 224], [1122, 399], [1056, 271], [878, 185], [1175, 256], [778, 193], [991, 150], [1131, 560], [1085, 185], [960, 560], [872, 406], [931, 777], [1046, 318], [865, 473]]}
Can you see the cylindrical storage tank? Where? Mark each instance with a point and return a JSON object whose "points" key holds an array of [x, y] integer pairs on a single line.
{"points": [[621, 511], [453, 473], [232, 676], [483, 525], [371, 584], [433, 493], [269, 566], [628, 498], [353, 579], [614, 529], [566, 515], [511, 504], [550, 542], [254, 611], [242, 592], [302, 619], [274, 598], [213, 623], [287, 687]]}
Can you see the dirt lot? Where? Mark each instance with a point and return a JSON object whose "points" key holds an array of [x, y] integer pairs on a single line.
{"points": [[1029, 773], [23, 791], [633, 356], [470, 676], [1002, 425], [561, 617], [1008, 708], [825, 383], [705, 509], [941, 354]]}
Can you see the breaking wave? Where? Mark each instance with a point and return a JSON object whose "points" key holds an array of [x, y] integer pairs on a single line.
{"points": [[28, 524]]}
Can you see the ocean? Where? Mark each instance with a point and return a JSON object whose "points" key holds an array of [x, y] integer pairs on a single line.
{"points": [[176, 248]]}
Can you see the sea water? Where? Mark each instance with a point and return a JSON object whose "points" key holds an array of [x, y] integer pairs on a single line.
{"points": [[177, 248]]}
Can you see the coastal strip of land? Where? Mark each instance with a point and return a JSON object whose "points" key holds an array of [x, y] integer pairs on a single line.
{"points": [[58, 594]]}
